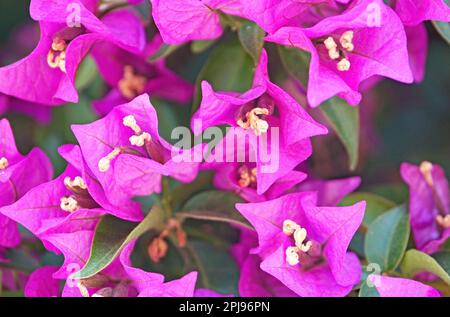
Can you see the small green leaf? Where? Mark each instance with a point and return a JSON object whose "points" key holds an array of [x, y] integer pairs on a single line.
{"points": [[367, 291], [214, 205], [217, 269], [443, 28], [443, 258], [252, 39], [86, 73], [296, 62], [112, 235], [344, 119], [198, 47], [387, 237], [375, 205], [228, 68], [164, 51], [415, 262]]}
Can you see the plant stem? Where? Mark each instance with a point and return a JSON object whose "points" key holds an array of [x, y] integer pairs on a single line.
{"points": [[166, 198]]}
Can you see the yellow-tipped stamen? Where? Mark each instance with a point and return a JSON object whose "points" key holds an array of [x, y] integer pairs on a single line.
{"points": [[140, 137], [426, 168], [289, 227], [343, 65], [56, 57], [299, 237], [346, 41], [330, 43], [442, 221], [292, 253], [139, 140], [4, 163], [130, 122], [254, 122], [69, 204], [331, 46], [292, 257], [76, 182], [131, 84], [105, 163]]}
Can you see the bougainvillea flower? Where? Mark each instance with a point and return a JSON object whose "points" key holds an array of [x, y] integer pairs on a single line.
{"points": [[42, 284], [130, 75], [255, 282], [180, 21], [346, 50], [305, 246], [414, 12], [18, 174], [73, 194], [125, 152], [240, 176], [47, 75], [120, 279], [429, 204], [401, 287], [276, 125]]}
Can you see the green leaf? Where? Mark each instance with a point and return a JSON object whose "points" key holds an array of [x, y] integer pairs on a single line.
{"points": [[367, 291], [443, 28], [112, 235], [344, 119], [398, 192], [443, 258], [164, 51], [214, 205], [415, 262], [86, 73], [375, 205], [228, 68], [217, 270], [198, 47], [387, 237], [296, 62], [252, 39]]}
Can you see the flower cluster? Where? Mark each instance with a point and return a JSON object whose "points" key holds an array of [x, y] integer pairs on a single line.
{"points": [[132, 212]]}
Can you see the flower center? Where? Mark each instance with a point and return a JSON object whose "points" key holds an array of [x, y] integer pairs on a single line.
{"points": [[56, 57], [131, 84], [247, 177], [336, 51], [140, 137], [80, 197], [291, 228], [253, 119], [4, 163], [69, 204]]}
